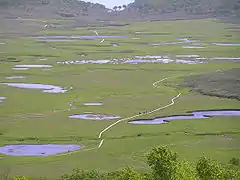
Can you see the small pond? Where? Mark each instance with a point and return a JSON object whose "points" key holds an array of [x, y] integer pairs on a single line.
{"points": [[56, 40], [85, 62], [2, 99], [93, 104], [138, 60], [15, 77], [94, 116], [38, 149], [78, 37], [20, 69], [225, 44], [193, 115], [180, 41], [225, 58], [193, 47], [32, 66], [46, 88]]}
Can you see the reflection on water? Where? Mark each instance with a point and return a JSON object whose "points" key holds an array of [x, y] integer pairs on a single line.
{"points": [[44, 87], [193, 115], [38, 150]]}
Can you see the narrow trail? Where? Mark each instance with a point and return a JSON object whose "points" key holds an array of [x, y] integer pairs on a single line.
{"points": [[95, 32], [102, 41], [98, 35], [155, 84], [138, 115]]}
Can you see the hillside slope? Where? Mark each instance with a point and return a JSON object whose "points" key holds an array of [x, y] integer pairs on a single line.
{"points": [[217, 8], [50, 8]]}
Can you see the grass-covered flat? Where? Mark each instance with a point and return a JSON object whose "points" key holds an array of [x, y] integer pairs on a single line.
{"points": [[30, 116], [220, 83]]}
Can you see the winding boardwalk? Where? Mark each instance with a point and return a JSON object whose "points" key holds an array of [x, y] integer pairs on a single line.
{"points": [[98, 35], [138, 115], [155, 84]]}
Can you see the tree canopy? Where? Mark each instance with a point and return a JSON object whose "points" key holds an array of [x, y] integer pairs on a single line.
{"points": [[198, 7]]}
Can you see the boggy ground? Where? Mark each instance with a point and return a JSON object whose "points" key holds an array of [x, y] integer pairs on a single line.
{"points": [[220, 83], [30, 116]]}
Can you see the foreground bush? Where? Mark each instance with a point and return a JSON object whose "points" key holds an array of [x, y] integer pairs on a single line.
{"points": [[164, 165]]}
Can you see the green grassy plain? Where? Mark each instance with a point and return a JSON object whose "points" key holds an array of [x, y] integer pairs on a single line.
{"points": [[125, 90]]}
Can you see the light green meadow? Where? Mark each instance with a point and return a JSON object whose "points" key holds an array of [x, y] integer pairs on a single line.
{"points": [[124, 89]]}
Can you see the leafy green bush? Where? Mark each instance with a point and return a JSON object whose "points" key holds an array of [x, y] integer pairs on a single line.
{"points": [[235, 161], [208, 169], [165, 165]]}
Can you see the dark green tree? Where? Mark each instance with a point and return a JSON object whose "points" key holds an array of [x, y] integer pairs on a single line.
{"points": [[115, 8]]}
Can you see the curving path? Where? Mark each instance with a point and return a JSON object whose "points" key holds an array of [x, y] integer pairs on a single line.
{"points": [[98, 35], [155, 84], [138, 115]]}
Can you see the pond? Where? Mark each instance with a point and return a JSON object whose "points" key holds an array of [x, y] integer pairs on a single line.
{"points": [[2, 99], [193, 47], [46, 88], [194, 115], [32, 66], [78, 37], [137, 60], [225, 44], [15, 77], [20, 69], [38, 149], [93, 104], [94, 116]]}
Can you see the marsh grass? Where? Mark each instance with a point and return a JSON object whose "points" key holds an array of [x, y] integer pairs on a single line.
{"points": [[125, 90]]}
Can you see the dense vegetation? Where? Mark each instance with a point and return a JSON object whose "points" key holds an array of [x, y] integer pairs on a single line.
{"points": [[158, 8], [164, 165], [197, 7], [45, 2], [221, 83], [65, 8]]}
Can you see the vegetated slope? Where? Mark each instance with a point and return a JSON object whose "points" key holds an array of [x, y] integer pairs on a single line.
{"points": [[219, 8], [220, 84], [50, 8]]}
